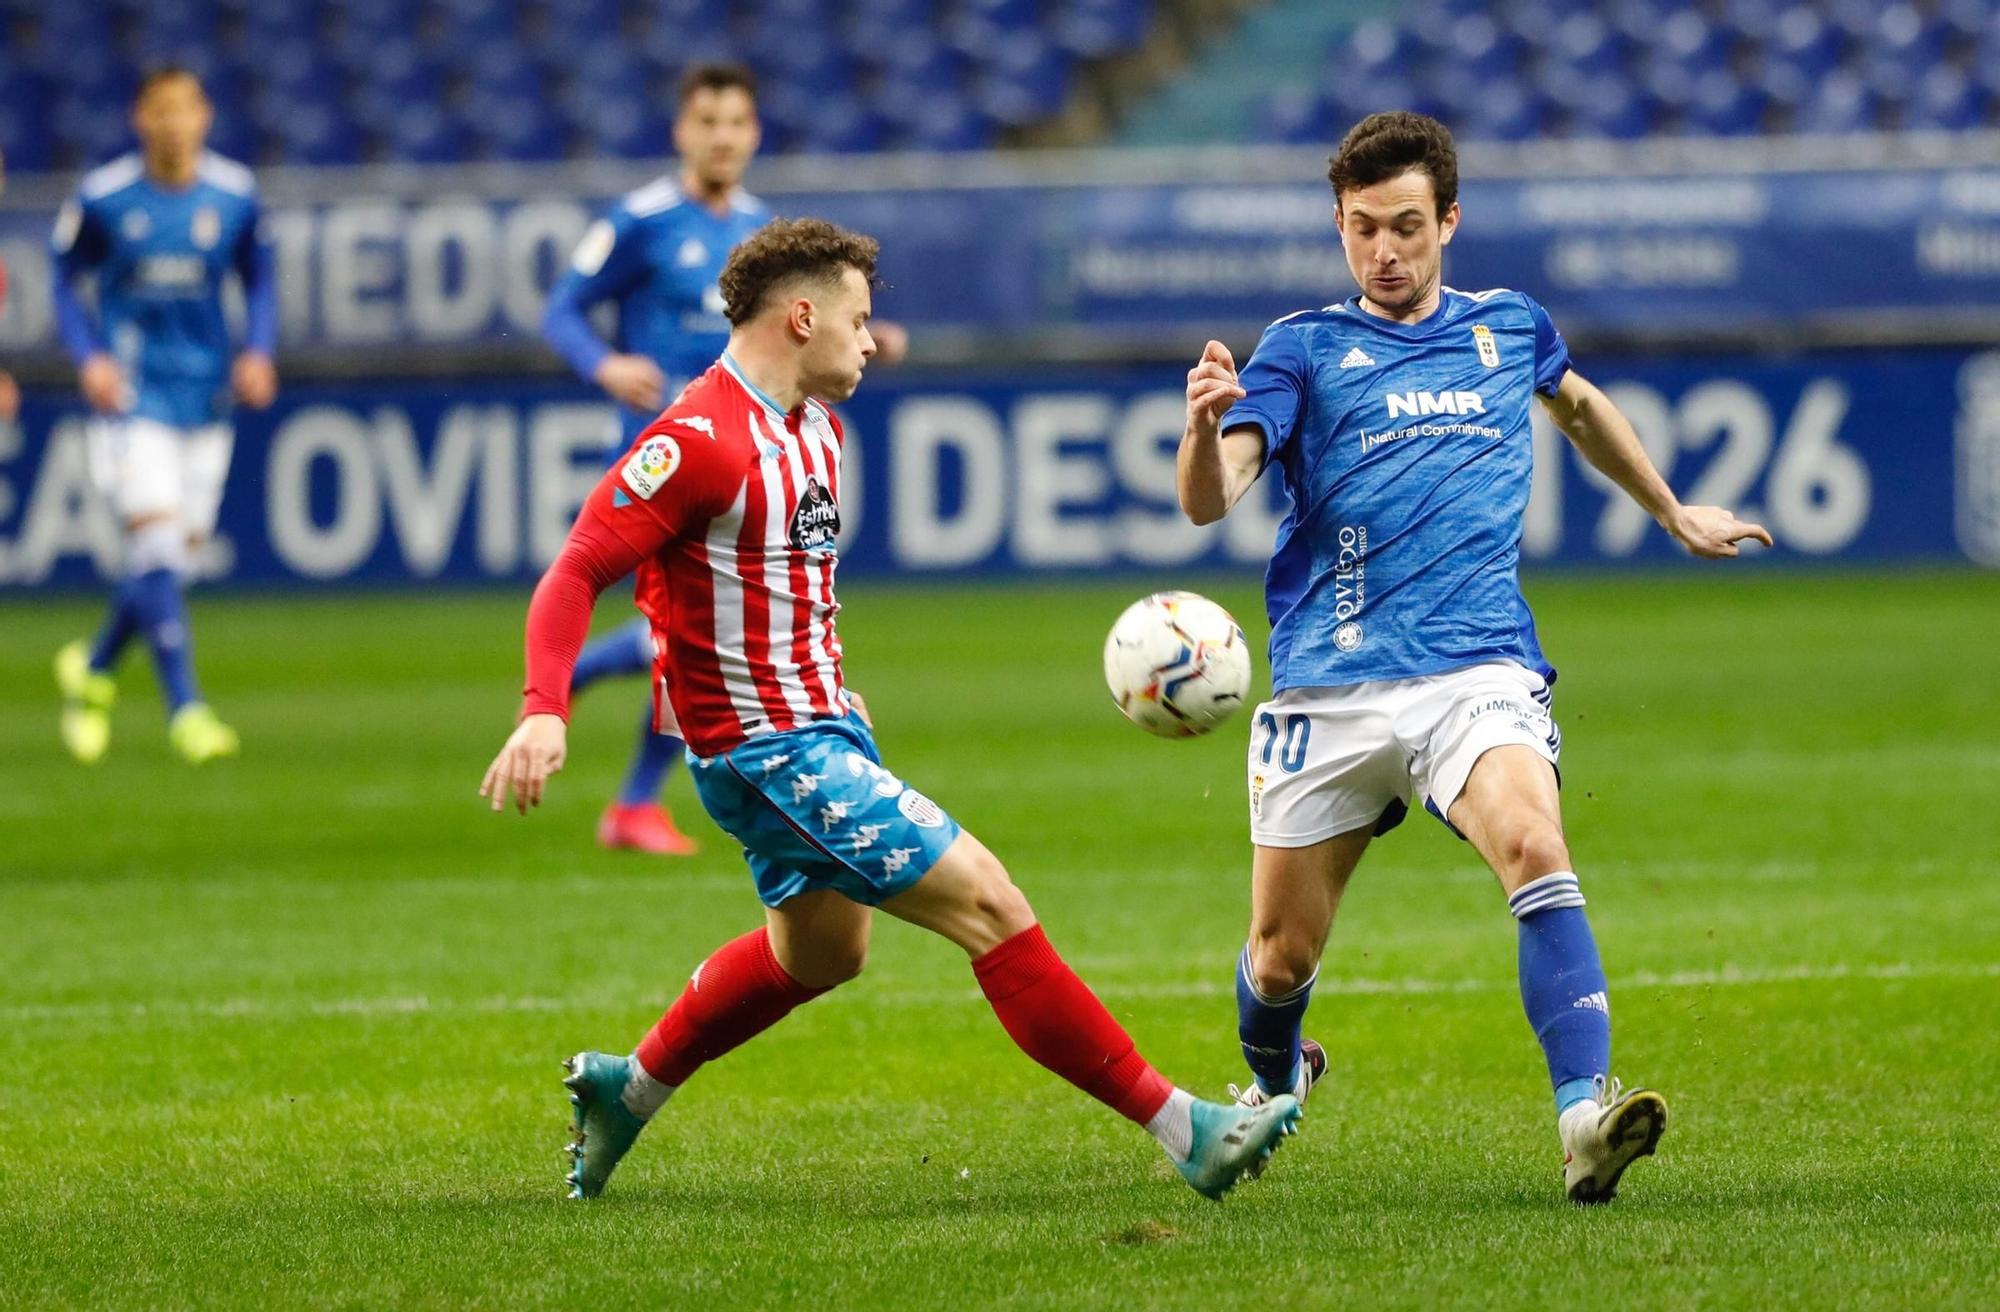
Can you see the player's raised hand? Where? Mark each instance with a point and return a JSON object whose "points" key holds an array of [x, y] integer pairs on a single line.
{"points": [[633, 380], [254, 379], [534, 751], [103, 384], [1211, 389], [1712, 532]]}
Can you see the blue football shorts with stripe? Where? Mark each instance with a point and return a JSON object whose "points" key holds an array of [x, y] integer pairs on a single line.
{"points": [[815, 808]]}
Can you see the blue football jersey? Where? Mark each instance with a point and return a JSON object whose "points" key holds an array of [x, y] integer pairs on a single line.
{"points": [[1407, 452], [658, 256], [160, 256]]}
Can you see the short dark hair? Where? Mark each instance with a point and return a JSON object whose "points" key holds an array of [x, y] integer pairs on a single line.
{"points": [[714, 77], [1390, 144], [158, 73], [789, 251]]}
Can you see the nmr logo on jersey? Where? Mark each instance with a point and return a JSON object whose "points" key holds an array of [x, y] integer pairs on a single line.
{"points": [[1435, 403]]}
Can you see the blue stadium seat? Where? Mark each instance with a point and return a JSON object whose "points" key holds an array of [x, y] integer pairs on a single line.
{"points": [[1295, 115], [1603, 104], [423, 134], [841, 124], [1946, 98], [1725, 106], [1026, 78], [1805, 39], [1839, 103], [1094, 29]]}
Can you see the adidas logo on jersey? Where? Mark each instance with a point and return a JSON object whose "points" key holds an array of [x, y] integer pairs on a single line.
{"points": [[1356, 358]]}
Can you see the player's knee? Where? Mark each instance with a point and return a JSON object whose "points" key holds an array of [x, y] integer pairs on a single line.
{"points": [[1532, 850], [996, 902], [1281, 960]]}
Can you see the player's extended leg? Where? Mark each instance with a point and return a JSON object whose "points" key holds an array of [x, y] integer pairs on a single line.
{"points": [[807, 946], [1052, 1016], [1510, 811], [635, 821], [1294, 892]]}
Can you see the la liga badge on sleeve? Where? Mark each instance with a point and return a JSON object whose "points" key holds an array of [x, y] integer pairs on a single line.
{"points": [[651, 465]]}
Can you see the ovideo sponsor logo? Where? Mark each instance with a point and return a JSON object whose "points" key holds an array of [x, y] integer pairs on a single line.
{"points": [[1350, 575]]}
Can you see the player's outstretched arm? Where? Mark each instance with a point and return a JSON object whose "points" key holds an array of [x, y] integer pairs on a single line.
{"points": [[1214, 469], [593, 558], [1607, 440]]}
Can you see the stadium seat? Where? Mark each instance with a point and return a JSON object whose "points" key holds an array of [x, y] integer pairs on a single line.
{"points": [[1093, 29], [1840, 103]]}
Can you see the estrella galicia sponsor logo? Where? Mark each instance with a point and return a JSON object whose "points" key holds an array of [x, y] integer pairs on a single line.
{"points": [[1350, 575], [816, 523]]}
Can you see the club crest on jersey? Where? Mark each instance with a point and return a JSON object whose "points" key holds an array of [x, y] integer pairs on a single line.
{"points": [[205, 229], [816, 523], [1489, 351], [651, 466]]}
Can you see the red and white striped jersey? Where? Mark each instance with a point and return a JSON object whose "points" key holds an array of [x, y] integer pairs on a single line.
{"points": [[735, 505]]}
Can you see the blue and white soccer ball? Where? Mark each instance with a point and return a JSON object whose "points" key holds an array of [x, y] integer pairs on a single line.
{"points": [[1177, 664]]}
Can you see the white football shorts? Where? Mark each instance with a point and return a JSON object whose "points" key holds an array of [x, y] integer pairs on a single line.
{"points": [[145, 468], [1324, 761]]}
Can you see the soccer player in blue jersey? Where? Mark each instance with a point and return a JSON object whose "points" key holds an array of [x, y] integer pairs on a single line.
{"points": [[658, 256], [159, 231], [1404, 661]]}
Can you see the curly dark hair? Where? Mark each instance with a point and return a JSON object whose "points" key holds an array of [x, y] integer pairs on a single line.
{"points": [[791, 251], [1389, 144]]}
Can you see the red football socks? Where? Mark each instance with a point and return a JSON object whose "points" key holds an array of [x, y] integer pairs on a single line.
{"points": [[1055, 1018], [737, 994]]}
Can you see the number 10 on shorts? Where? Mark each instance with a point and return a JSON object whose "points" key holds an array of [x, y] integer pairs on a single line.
{"points": [[1295, 734]]}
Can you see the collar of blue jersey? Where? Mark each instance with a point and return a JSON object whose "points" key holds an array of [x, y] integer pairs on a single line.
{"points": [[736, 372], [1430, 323]]}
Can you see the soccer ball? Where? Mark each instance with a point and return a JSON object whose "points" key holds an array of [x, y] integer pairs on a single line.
{"points": [[1177, 664]]}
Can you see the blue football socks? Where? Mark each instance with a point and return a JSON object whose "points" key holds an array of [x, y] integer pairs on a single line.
{"points": [[161, 616], [628, 649], [120, 624], [1269, 1028], [1562, 984], [654, 755]]}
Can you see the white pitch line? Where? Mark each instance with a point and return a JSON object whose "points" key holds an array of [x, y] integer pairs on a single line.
{"points": [[421, 1005]]}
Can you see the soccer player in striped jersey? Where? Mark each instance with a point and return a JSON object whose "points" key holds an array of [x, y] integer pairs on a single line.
{"points": [[160, 231], [657, 255], [1404, 661], [728, 506]]}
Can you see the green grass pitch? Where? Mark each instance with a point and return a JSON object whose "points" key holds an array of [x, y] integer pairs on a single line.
{"points": [[286, 1031]]}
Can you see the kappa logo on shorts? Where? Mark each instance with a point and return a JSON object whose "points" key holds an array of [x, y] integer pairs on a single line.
{"points": [[865, 836], [805, 785], [897, 858], [919, 810], [833, 813], [651, 465]]}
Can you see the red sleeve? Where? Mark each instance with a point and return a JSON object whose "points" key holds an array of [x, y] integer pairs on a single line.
{"points": [[592, 559], [650, 499]]}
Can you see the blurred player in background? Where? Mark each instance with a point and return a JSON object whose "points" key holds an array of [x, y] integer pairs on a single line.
{"points": [[657, 255], [1403, 656], [10, 392], [160, 230], [728, 506]]}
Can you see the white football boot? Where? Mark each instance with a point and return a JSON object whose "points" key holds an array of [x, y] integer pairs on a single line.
{"points": [[1312, 1068], [1601, 1136]]}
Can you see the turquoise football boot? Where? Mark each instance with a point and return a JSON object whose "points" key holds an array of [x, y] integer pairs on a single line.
{"points": [[605, 1128], [1231, 1142]]}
